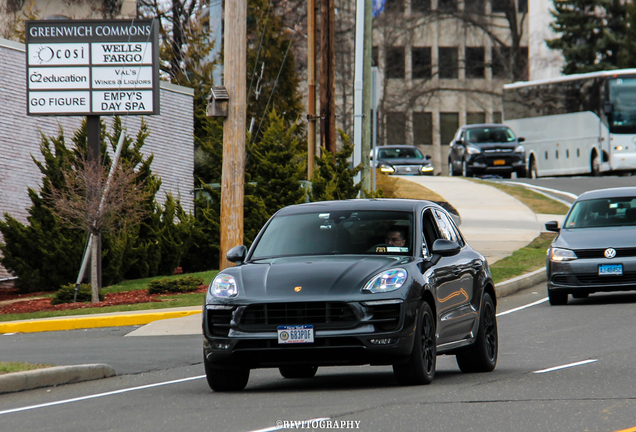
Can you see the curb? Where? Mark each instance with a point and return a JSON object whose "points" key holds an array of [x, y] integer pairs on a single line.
{"points": [[58, 375], [519, 283], [74, 323]]}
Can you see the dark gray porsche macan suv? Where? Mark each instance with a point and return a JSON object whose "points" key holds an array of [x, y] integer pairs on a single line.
{"points": [[596, 247], [380, 282]]}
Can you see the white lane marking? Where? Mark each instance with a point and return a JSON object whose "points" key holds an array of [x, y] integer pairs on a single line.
{"points": [[565, 366], [523, 307], [545, 189], [300, 423], [100, 395]]}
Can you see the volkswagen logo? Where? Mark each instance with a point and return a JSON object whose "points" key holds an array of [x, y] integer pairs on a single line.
{"points": [[610, 253]]}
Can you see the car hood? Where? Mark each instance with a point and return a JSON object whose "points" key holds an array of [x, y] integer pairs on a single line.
{"points": [[405, 161], [317, 277], [597, 238]]}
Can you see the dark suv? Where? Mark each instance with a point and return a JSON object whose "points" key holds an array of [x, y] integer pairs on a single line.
{"points": [[486, 149]]}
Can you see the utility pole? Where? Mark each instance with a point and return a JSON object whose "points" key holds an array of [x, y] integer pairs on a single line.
{"points": [[327, 76], [311, 81], [366, 95], [233, 174]]}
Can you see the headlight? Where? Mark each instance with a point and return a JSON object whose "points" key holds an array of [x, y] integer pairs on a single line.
{"points": [[387, 168], [472, 150], [426, 168], [386, 281], [224, 286], [520, 149], [558, 254]]}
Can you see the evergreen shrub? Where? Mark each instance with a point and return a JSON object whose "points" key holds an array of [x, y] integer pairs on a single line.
{"points": [[67, 292], [179, 285]]}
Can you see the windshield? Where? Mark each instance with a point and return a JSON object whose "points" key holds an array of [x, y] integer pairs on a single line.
{"points": [[336, 233], [602, 213], [400, 152], [489, 135], [623, 98]]}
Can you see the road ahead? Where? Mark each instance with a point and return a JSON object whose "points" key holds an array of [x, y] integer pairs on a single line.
{"points": [[599, 395]]}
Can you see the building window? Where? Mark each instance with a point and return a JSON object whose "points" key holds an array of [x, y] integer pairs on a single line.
{"points": [[522, 6], [496, 117], [374, 56], [522, 64], [395, 128], [499, 6], [475, 62], [394, 6], [421, 63], [474, 6], [447, 5], [395, 62], [422, 128], [448, 64], [448, 125], [475, 117], [420, 5]]}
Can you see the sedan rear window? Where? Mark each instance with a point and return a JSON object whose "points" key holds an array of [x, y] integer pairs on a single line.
{"points": [[602, 213], [336, 233]]}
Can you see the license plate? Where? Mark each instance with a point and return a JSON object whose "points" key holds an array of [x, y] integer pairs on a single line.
{"points": [[610, 270], [499, 162], [296, 334]]}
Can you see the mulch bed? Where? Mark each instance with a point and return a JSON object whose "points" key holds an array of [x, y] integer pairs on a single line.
{"points": [[24, 305]]}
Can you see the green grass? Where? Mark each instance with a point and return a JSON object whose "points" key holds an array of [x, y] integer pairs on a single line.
{"points": [[141, 284], [172, 301], [537, 202], [524, 260], [9, 367]]}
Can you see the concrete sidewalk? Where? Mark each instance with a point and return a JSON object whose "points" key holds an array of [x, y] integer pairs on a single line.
{"points": [[493, 222]]}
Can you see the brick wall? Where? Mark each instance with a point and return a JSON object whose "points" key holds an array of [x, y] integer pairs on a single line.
{"points": [[170, 140]]}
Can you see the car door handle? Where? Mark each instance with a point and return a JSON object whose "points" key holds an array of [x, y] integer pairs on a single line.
{"points": [[456, 272]]}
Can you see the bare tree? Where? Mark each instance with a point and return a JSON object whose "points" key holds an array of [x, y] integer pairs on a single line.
{"points": [[95, 202]]}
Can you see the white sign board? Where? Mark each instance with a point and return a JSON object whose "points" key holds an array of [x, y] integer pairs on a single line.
{"points": [[92, 67]]}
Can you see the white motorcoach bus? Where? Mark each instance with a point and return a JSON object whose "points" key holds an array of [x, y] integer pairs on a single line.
{"points": [[575, 124]]}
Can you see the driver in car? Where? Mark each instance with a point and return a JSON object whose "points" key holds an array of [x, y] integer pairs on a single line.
{"points": [[395, 236]]}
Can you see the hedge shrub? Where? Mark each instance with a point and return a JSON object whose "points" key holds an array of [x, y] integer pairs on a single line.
{"points": [[179, 285], [66, 293]]}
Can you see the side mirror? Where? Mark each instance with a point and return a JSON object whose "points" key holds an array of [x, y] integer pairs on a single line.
{"points": [[445, 247], [459, 141], [521, 139], [552, 226], [428, 157], [237, 254], [609, 108]]}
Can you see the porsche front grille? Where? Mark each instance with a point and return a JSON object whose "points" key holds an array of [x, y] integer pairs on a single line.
{"points": [[319, 314]]}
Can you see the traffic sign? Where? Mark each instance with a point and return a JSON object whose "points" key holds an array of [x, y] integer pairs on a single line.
{"points": [[92, 67]]}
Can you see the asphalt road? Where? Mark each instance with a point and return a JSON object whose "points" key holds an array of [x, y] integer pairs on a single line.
{"points": [[577, 185], [596, 396]]}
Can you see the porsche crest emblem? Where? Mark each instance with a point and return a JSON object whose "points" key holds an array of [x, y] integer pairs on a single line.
{"points": [[297, 289]]}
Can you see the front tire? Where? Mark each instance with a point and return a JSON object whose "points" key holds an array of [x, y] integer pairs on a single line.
{"points": [[557, 298], [534, 173], [298, 371], [420, 367], [596, 166], [226, 380], [482, 357], [465, 171]]}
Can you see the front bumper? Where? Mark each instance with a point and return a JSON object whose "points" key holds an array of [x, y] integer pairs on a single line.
{"points": [[581, 276], [493, 164], [238, 337]]}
